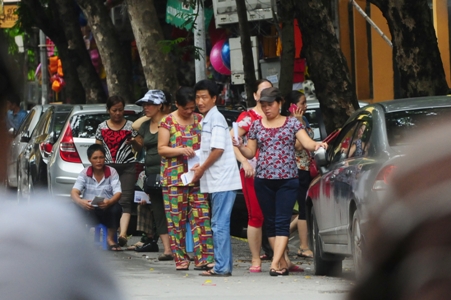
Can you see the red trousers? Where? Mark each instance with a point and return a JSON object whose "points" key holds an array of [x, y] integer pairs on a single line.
{"points": [[253, 207]]}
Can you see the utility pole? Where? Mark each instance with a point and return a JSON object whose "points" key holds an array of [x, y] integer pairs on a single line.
{"points": [[199, 41], [44, 73]]}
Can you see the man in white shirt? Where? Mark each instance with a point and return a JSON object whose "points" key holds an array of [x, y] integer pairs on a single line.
{"points": [[218, 173]]}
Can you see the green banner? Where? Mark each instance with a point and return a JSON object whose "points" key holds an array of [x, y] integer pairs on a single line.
{"points": [[179, 14], [182, 15]]}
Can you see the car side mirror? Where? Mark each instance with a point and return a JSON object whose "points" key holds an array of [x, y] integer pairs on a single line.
{"points": [[12, 131], [320, 156]]}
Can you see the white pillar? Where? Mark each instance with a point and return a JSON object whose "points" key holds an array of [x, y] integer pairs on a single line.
{"points": [[44, 62], [199, 41]]}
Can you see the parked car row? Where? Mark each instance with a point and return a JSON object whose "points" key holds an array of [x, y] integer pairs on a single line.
{"points": [[355, 175]]}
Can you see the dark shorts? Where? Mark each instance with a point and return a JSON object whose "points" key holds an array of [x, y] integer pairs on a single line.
{"points": [[127, 176]]}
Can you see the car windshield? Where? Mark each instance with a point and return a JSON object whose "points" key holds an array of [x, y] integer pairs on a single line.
{"points": [[404, 125], [85, 125]]}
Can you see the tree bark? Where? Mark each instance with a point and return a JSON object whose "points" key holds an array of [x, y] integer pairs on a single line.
{"points": [[79, 55], [158, 67], [327, 64], [119, 75], [246, 49], [51, 26], [415, 47], [286, 14]]}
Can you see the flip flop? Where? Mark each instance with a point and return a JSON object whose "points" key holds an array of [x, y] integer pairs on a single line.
{"points": [[265, 257], [114, 247], [204, 267], [255, 269], [295, 268], [122, 241], [164, 257], [302, 251], [211, 273]]}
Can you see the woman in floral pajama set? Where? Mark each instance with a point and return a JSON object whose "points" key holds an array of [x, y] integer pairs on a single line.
{"points": [[178, 138]]}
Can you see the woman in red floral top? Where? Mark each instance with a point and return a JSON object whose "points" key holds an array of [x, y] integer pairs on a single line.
{"points": [[247, 172], [276, 178]]}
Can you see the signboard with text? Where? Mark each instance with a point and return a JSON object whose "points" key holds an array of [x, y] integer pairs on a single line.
{"points": [[8, 17]]}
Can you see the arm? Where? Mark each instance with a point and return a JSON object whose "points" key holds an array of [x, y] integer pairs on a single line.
{"points": [[166, 151], [307, 142], [108, 202], [247, 151], [85, 204], [117, 190], [298, 145], [136, 142], [248, 169], [199, 170]]}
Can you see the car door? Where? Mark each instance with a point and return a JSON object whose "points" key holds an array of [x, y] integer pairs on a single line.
{"points": [[327, 209]]}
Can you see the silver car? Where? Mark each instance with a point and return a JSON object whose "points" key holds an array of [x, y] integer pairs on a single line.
{"points": [[21, 139], [68, 157], [356, 173]]}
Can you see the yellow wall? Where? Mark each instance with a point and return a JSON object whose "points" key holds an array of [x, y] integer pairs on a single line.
{"points": [[361, 64], [440, 8], [383, 85], [345, 43]]}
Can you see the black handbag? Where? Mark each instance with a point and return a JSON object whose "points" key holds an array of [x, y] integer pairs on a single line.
{"points": [[152, 183]]}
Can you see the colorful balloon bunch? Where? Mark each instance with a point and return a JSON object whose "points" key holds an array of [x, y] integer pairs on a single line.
{"points": [[220, 57]]}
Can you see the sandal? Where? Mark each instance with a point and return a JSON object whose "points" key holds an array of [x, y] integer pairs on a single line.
{"points": [[255, 269], [122, 241], [265, 257], [301, 253], [204, 267], [295, 269], [183, 266], [212, 273], [164, 257], [114, 247]]}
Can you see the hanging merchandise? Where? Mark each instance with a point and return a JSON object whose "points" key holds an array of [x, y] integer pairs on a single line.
{"points": [[225, 54], [57, 83], [216, 58], [53, 65]]}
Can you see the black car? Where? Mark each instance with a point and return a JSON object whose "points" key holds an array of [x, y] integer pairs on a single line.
{"points": [[32, 162]]}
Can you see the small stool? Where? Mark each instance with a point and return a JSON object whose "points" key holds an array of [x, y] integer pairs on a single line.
{"points": [[103, 242], [189, 242]]}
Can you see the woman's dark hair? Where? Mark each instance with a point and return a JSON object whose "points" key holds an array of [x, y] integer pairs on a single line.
{"points": [[168, 102], [208, 85], [93, 148], [291, 98], [184, 95], [260, 81], [113, 100]]}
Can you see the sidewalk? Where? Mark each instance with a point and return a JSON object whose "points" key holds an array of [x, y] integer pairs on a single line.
{"points": [[142, 276]]}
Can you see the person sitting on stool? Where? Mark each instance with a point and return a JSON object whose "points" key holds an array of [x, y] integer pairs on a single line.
{"points": [[99, 180]]}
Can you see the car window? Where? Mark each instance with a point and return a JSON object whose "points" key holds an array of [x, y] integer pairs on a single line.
{"points": [[85, 125], [58, 122], [343, 142], [360, 142], [403, 125], [312, 116], [42, 124], [26, 123]]}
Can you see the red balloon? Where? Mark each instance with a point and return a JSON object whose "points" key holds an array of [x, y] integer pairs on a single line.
{"points": [[216, 58]]}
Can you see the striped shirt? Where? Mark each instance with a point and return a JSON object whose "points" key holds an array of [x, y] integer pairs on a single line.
{"points": [[90, 188], [223, 174]]}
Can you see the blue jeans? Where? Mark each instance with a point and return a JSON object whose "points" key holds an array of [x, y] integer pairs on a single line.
{"points": [[221, 209], [277, 198]]}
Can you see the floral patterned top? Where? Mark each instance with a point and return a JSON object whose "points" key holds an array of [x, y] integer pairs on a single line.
{"points": [[245, 120], [180, 135], [276, 145], [303, 157]]}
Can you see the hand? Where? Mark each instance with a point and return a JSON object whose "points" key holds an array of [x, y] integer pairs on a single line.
{"points": [[321, 145], [238, 144], [248, 169], [130, 140], [299, 113], [105, 203], [198, 172], [85, 204], [143, 202], [187, 151]]}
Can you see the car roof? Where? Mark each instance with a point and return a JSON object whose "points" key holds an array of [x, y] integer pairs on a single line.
{"points": [[95, 108], [415, 103]]}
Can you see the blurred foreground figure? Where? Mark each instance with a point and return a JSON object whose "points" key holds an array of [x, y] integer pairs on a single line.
{"points": [[409, 240], [44, 256]]}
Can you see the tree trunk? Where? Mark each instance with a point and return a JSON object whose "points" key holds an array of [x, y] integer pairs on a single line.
{"points": [[119, 75], [327, 64], [51, 26], [286, 14], [246, 49], [78, 54], [158, 67], [415, 47]]}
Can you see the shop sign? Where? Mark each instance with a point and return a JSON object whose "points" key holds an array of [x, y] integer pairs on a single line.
{"points": [[179, 14], [8, 17]]}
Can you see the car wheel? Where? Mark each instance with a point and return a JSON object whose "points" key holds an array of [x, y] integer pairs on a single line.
{"points": [[357, 244], [322, 267]]}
